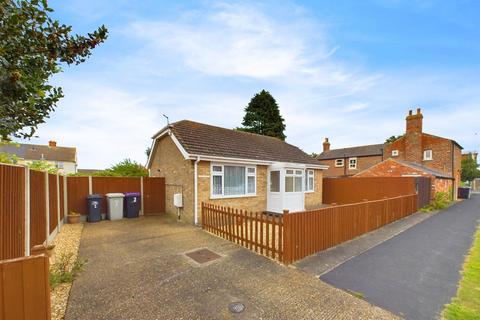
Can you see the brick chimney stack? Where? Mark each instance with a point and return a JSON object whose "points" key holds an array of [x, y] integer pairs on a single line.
{"points": [[52, 143], [413, 137], [326, 145]]}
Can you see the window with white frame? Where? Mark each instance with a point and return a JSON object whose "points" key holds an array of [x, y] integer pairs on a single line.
{"points": [[338, 162], [427, 155], [274, 181], [293, 180], [309, 180], [59, 165], [352, 163], [233, 180], [394, 153]]}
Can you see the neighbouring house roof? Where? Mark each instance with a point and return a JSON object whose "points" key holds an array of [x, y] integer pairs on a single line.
{"points": [[40, 152], [200, 139], [425, 169], [360, 151]]}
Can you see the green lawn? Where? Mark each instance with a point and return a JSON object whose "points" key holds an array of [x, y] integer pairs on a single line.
{"points": [[466, 305]]}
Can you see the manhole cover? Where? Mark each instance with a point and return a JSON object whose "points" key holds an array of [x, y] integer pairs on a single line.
{"points": [[202, 256], [236, 307]]}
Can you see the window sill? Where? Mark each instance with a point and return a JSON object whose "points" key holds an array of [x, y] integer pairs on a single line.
{"points": [[312, 191], [427, 159], [232, 197]]}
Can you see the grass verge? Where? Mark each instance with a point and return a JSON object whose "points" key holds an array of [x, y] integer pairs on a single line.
{"points": [[466, 304]]}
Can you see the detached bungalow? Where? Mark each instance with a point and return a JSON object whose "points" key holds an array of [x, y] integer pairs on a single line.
{"points": [[226, 167]]}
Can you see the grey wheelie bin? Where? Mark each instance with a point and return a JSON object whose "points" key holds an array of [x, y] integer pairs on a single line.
{"points": [[115, 206]]}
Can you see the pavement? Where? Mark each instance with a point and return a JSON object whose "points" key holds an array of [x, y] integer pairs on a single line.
{"points": [[326, 260], [415, 273], [138, 269]]}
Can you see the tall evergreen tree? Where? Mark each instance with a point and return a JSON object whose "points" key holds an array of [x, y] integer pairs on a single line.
{"points": [[262, 116]]}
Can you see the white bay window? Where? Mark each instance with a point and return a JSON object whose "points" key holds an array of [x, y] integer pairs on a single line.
{"points": [[233, 180]]}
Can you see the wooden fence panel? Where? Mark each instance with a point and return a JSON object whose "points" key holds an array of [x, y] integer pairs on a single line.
{"points": [[354, 190], [312, 231], [52, 202], [12, 211], [38, 212], [104, 185], [62, 197], [77, 192], [25, 289], [153, 195]]}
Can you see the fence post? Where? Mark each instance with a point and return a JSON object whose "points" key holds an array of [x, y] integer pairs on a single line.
{"points": [[65, 197], [141, 196], [58, 202], [90, 188], [27, 211], [287, 237], [47, 205]]}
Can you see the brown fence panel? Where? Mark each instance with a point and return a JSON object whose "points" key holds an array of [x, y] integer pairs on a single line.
{"points": [[256, 231], [52, 201], [62, 197], [104, 185], [77, 192], [153, 195], [24, 289], [312, 231], [12, 211], [38, 212], [424, 191], [353, 190]]}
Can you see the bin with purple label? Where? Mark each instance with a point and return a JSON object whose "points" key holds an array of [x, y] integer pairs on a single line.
{"points": [[94, 202], [132, 204]]}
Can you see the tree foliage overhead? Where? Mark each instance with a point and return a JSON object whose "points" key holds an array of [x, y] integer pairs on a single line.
{"points": [[393, 139], [33, 46], [262, 116], [125, 168], [470, 169]]}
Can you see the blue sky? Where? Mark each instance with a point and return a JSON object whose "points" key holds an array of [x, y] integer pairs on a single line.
{"points": [[347, 70]]}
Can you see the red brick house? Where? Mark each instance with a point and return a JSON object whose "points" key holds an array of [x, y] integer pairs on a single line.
{"points": [[350, 161], [414, 154]]}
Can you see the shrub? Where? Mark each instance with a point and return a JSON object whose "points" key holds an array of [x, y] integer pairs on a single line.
{"points": [[441, 201]]}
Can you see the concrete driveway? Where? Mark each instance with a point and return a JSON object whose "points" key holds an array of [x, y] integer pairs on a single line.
{"points": [[416, 272], [137, 270]]}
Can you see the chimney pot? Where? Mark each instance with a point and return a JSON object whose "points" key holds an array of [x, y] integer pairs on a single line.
{"points": [[326, 145], [410, 112], [52, 143], [419, 111]]}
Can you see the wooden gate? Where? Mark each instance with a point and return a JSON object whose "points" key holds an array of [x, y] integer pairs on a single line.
{"points": [[424, 190], [153, 195]]}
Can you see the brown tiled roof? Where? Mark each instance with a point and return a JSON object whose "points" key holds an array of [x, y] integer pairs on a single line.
{"points": [[360, 151], [40, 152], [202, 139]]}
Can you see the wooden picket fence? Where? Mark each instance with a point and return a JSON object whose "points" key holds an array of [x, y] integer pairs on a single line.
{"points": [[289, 237], [256, 231]]}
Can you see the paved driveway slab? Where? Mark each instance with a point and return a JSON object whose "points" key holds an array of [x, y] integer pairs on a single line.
{"points": [[137, 269], [415, 273]]}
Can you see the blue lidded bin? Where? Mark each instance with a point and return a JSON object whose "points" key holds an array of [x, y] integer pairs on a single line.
{"points": [[132, 204], [94, 202]]}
